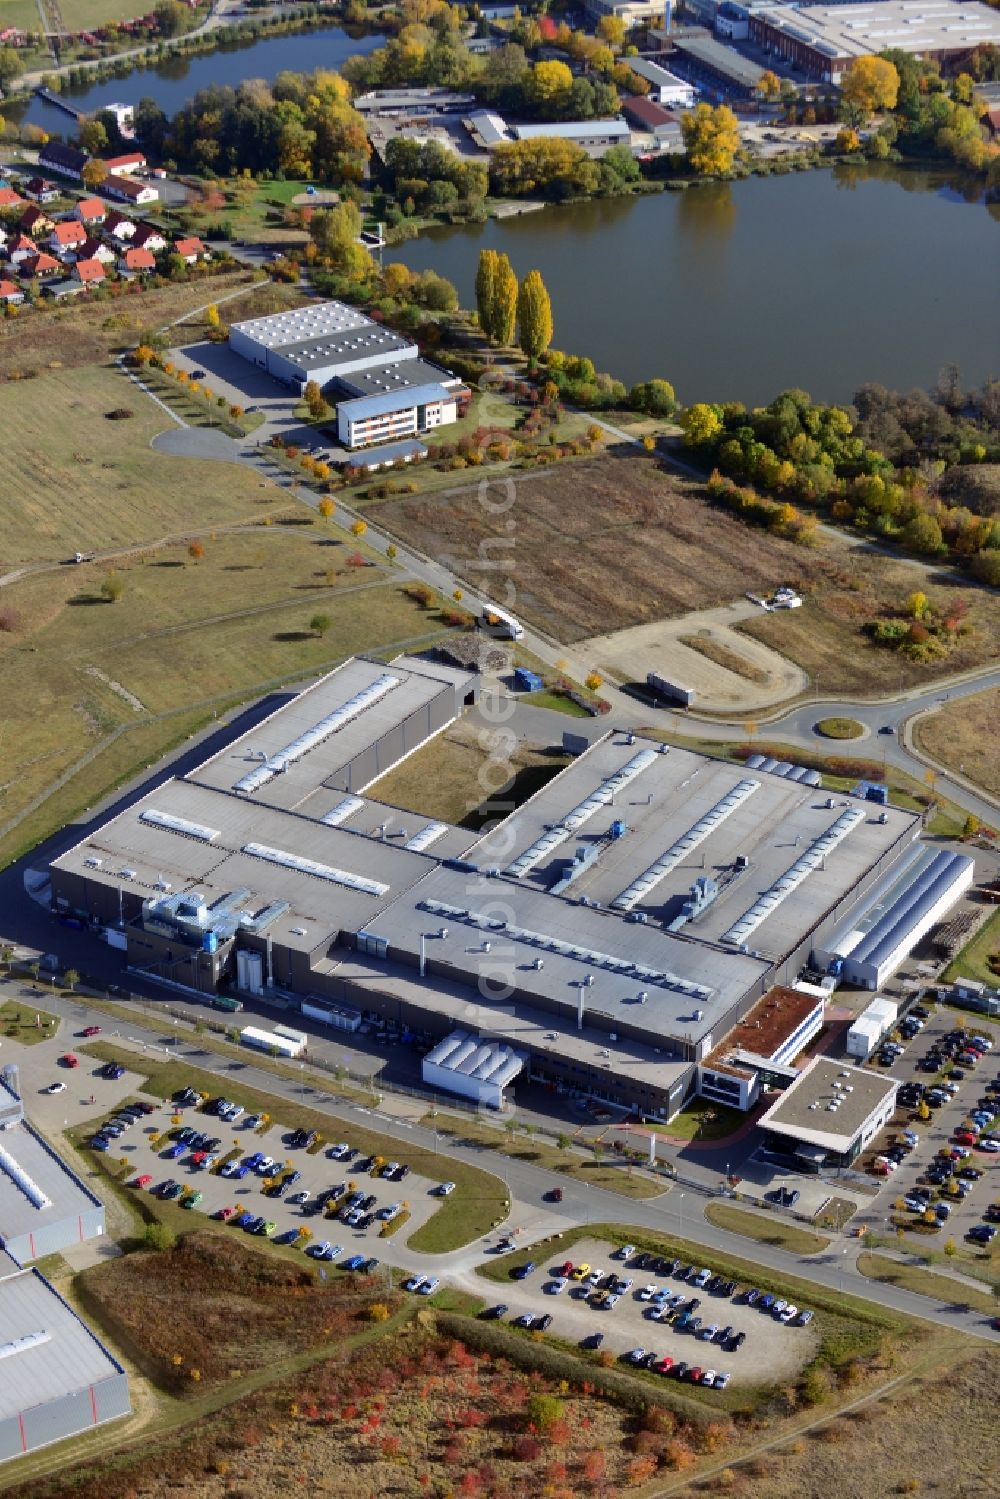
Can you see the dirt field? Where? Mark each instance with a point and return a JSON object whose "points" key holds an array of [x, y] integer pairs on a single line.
{"points": [[630, 654], [597, 546], [964, 736]]}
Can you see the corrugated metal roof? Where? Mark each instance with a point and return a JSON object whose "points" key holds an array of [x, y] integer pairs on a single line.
{"points": [[37, 1371]]}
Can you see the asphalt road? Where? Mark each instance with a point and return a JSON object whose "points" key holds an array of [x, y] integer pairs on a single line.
{"points": [[677, 1212]]}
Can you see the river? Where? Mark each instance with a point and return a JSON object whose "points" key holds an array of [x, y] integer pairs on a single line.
{"points": [[174, 80], [822, 280]]}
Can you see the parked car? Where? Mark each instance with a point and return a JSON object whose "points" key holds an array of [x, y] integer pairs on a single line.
{"points": [[69, 1060]]}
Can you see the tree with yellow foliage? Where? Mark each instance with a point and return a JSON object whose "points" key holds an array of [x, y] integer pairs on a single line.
{"points": [[550, 87], [869, 84], [712, 138], [768, 85], [848, 140], [611, 29], [701, 424]]}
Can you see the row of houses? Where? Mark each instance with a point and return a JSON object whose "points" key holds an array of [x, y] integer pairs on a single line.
{"points": [[83, 245]]}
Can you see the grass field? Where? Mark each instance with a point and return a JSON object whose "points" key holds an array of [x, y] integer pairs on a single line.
{"points": [[775, 1230], [704, 1120], [614, 1176], [478, 1202], [86, 15], [90, 332], [973, 961], [921, 1282], [22, 14], [75, 481], [595, 545], [840, 728], [26, 1024], [453, 778], [124, 682], [963, 736]]}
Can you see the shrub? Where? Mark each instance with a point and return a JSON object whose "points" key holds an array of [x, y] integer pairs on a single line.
{"points": [[377, 1312], [159, 1236]]}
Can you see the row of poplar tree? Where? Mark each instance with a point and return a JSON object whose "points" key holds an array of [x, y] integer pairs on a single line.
{"points": [[505, 306]]}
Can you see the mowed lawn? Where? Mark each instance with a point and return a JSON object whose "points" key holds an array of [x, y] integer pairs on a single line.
{"points": [[76, 481], [186, 640]]}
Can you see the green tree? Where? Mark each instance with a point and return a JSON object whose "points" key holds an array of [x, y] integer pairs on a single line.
{"points": [[336, 231], [971, 826], [112, 588], [171, 18], [319, 624], [563, 1142], [11, 66], [93, 137], [159, 1236], [543, 1411], [71, 978], [655, 396], [712, 139], [701, 424], [534, 316], [923, 534]]}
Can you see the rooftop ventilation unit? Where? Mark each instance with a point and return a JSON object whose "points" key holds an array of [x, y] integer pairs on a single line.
{"points": [[601, 797], [342, 811]]}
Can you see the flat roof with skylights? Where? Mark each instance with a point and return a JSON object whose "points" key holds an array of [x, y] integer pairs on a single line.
{"points": [[928, 27]]}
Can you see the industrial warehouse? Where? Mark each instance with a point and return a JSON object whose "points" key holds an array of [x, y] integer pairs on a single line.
{"points": [[44, 1206], [823, 40], [607, 937], [384, 390], [56, 1378]]}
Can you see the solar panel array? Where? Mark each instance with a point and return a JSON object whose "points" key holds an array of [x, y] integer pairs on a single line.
{"points": [[180, 825], [702, 829], [623, 967], [254, 779], [317, 870], [605, 793], [793, 877]]}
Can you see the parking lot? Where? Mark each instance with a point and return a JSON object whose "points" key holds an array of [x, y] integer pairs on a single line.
{"points": [[937, 1133], [771, 1350]]}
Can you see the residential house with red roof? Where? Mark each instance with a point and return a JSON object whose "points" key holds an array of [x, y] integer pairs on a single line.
{"points": [[21, 248], [11, 293], [39, 264], [190, 250], [89, 272], [91, 210], [67, 237], [137, 261], [9, 198]]}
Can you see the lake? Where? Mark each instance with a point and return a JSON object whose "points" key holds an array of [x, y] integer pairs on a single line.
{"points": [[174, 80], [822, 280]]}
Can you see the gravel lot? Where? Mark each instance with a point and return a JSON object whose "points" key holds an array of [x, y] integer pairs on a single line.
{"points": [[771, 1352]]}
